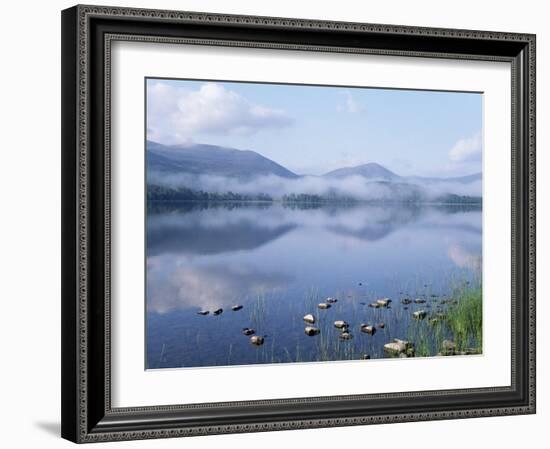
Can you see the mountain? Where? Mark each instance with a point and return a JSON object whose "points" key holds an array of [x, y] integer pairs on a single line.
{"points": [[212, 160], [201, 172], [373, 171], [370, 171]]}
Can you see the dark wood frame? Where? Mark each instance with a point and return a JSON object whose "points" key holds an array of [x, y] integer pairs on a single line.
{"points": [[87, 32]]}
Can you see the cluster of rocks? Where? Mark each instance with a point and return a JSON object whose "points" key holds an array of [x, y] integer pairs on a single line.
{"points": [[448, 347], [384, 302], [342, 325], [256, 340], [395, 348], [219, 311], [399, 348]]}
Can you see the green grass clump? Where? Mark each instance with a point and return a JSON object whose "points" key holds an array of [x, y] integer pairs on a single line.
{"points": [[465, 320]]}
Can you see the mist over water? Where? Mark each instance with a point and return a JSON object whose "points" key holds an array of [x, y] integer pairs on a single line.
{"points": [[279, 261], [355, 186]]}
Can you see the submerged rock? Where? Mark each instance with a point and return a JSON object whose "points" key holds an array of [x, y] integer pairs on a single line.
{"points": [[330, 300], [311, 331], [420, 301], [323, 305], [406, 301], [217, 312], [341, 324], [381, 325], [248, 331], [383, 302], [420, 314], [203, 312], [309, 318], [257, 340], [236, 307], [345, 336]]}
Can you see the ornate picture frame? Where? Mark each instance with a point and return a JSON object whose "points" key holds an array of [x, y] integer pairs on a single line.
{"points": [[87, 35]]}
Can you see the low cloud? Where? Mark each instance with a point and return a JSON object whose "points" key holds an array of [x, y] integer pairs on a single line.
{"points": [[353, 186], [175, 114]]}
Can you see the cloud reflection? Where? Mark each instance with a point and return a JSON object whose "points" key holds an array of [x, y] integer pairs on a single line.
{"points": [[172, 284], [463, 257]]}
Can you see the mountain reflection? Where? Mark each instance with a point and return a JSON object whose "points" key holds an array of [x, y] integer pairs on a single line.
{"points": [[216, 228]]}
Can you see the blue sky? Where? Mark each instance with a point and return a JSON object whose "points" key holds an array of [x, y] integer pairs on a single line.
{"points": [[315, 129]]}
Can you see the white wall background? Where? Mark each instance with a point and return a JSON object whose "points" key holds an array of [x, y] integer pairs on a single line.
{"points": [[30, 225]]}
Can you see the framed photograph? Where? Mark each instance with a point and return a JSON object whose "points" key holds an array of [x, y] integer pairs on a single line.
{"points": [[275, 223]]}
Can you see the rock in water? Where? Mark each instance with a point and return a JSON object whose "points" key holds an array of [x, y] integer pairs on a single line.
{"points": [[374, 305], [311, 331], [381, 325], [366, 357], [341, 324], [323, 305], [203, 312], [257, 340], [236, 307], [420, 314], [399, 348], [248, 331], [217, 312], [406, 301], [368, 329], [384, 302], [419, 301], [330, 300], [448, 347], [309, 318], [345, 336]]}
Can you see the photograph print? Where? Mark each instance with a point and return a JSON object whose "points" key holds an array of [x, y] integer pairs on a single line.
{"points": [[294, 223]]}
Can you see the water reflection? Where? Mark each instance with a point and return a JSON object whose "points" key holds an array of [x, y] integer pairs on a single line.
{"points": [[175, 283], [207, 256]]}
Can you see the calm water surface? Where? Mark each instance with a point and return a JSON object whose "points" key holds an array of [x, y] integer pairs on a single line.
{"points": [[280, 261]]}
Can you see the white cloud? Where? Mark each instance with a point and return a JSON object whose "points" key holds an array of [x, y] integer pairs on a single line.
{"points": [[176, 114], [468, 149], [350, 105]]}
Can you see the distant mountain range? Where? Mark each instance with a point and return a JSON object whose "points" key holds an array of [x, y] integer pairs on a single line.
{"points": [[211, 160], [376, 171], [167, 163]]}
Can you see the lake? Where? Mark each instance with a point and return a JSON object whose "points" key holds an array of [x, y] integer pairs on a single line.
{"points": [[280, 260]]}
